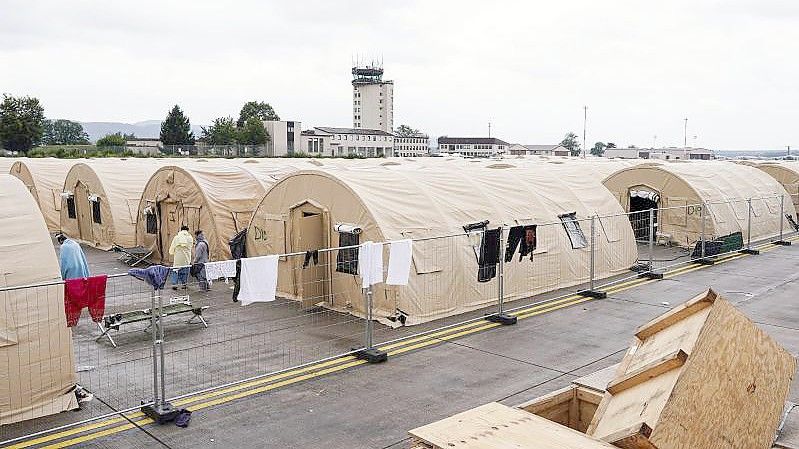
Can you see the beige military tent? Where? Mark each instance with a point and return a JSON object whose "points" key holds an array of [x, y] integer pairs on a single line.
{"points": [[217, 197], [36, 361], [787, 174], [45, 177], [100, 200], [317, 209], [681, 188]]}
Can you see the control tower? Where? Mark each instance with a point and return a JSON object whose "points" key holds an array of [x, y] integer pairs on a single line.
{"points": [[372, 98]]}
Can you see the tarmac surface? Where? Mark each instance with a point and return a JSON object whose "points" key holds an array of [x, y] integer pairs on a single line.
{"points": [[348, 403]]}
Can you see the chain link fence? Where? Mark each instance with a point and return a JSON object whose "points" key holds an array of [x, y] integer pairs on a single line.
{"points": [[156, 345]]}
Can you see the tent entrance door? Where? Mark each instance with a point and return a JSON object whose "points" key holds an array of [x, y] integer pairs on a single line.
{"points": [[168, 225], [640, 204], [84, 212], [311, 283]]}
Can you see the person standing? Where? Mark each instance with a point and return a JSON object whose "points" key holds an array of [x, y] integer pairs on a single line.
{"points": [[200, 259], [72, 259], [180, 250]]}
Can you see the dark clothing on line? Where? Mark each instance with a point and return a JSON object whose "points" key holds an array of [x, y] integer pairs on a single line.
{"points": [[489, 255], [523, 237], [311, 255], [155, 275]]}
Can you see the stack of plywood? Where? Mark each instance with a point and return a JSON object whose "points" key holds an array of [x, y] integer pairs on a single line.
{"points": [[700, 376], [497, 426]]}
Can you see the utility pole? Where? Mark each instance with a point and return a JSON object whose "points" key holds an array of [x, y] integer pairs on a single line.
{"points": [[685, 134], [789, 150], [489, 130], [654, 141], [585, 122]]}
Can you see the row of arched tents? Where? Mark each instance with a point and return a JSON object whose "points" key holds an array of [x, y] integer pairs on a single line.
{"points": [[296, 205], [293, 205]]}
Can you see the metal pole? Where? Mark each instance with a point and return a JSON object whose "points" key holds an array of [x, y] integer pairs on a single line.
{"points": [[368, 297], [153, 331], [702, 236], [651, 239], [501, 277], [593, 249], [749, 224], [782, 211], [161, 347]]}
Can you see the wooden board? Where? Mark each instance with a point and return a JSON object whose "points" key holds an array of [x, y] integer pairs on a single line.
{"points": [[496, 426], [700, 376]]}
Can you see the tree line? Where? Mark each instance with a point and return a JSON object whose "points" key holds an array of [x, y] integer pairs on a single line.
{"points": [[24, 126], [572, 143]]}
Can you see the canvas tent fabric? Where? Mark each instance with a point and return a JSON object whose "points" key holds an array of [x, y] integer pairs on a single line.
{"points": [[106, 195], [6, 163], [36, 356], [723, 187], [787, 174], [45, 177], [216, 197], [301, 212]]}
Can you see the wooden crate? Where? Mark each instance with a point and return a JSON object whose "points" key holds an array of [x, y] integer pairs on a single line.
{"points": [[497, 426], [700, 376]]}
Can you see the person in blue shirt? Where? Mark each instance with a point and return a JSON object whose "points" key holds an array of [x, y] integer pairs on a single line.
{"points": [[71, 259]]}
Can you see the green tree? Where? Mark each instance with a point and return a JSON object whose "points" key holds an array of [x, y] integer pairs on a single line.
{"points": [[610, 145], [571, 142], [599, 149], [405, 131], [253, 132], [112, 140], [21, 123], [221, 132], [258, 109], [64, 132], [176, 129]]}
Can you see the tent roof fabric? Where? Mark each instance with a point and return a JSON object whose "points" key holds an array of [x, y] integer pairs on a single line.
{"points": [[45, 179], [35, 343]]}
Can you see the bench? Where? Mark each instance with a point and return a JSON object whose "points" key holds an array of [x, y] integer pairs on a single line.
{"points": [[117, 320]]}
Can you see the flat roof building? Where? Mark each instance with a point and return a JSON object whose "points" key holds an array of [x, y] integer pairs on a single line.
{"points": [[472, 146]]}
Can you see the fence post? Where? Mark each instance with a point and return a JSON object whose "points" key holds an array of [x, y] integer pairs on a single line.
{"points": [[591, 292], [782, 240], [501, 317], [160, 411], [703, 259], [369, 352], [748, 249]]}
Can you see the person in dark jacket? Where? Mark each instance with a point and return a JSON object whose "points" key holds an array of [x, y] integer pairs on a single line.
{"points": [[201, 257]]}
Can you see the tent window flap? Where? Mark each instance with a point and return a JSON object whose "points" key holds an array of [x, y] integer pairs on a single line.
{"points": [[96, 216], [347, 259], [71, 207], [573, 230]]}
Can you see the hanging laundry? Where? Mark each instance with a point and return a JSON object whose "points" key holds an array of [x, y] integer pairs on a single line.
{"points": [[84, 292], [237, 282], [370, 263], [489, 255], [258, 279], [399, 262], [309, 256], [222, 269], [154, 275], [523, 237]]}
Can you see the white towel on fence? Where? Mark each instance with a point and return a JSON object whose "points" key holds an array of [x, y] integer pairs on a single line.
{"points": [[399, 262], [221, 269], [258, 281], [370, 263]]}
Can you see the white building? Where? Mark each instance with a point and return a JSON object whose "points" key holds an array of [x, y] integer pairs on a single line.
{"points": [[538, 150], [372, 99], [415, 145], [472, 146], [151, 147], [670, 153], [327, 141], [284, 137]]}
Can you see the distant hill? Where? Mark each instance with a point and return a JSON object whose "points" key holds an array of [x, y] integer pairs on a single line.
{"points": [[145, 129]]}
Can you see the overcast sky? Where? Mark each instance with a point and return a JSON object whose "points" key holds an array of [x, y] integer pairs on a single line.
{"points": [[528, 67]]}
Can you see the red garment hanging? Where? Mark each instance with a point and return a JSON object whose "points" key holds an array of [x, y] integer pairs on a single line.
{"points": [[84, 292]]}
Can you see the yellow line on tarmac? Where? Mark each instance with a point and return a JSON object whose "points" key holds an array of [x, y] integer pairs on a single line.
{"points": [[291, 377]]}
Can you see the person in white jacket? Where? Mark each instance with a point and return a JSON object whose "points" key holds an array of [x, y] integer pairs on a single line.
{"points": [[180, 250]]}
